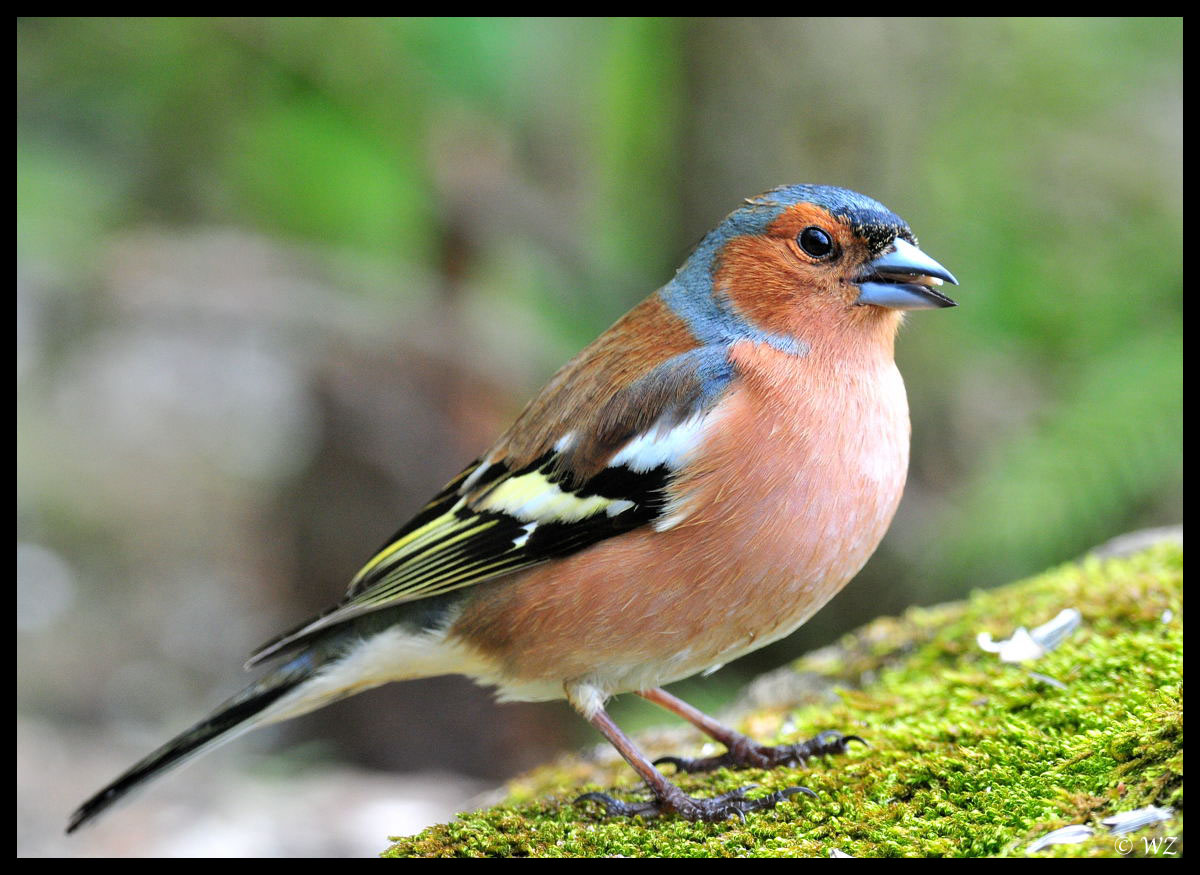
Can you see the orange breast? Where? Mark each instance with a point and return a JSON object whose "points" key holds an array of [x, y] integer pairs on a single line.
{"points": [[801, 473]]}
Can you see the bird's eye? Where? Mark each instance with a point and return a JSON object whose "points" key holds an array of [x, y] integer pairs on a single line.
{"points": [[816, 242]]}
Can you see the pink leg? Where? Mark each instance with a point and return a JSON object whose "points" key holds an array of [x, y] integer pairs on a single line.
{"points": [[743, 752], [668, 797]]}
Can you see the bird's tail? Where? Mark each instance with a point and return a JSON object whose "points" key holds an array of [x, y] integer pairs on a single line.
{"points": [[293, 688]]}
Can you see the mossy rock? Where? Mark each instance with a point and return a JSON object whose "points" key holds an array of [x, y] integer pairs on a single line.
{"points": [[969, 756]]}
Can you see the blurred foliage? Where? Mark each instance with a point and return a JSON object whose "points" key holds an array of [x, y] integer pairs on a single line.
{"points": [[501, 190]]}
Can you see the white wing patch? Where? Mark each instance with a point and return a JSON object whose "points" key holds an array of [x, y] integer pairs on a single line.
{"points": [[526, 531], [532, 497], [662, 446], [672, 447], [619, 506]]}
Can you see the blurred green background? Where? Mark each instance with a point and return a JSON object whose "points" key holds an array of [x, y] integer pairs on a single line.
{"points": [[277, 280]]}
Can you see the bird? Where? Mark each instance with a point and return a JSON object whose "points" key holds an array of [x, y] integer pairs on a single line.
{"points": [[693, 485]]}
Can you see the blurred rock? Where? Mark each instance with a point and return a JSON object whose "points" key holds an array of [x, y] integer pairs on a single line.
{"points": [[1135, 542], [226, 808]]}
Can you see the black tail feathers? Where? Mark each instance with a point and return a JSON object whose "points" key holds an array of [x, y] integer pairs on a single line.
{"points": [[227, 722]]}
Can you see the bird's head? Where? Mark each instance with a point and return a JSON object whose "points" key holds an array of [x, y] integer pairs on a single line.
{"points": [[802, 255]]}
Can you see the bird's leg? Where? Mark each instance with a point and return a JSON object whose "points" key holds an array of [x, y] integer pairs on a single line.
{"points": [[742, 751], [667, 797]]}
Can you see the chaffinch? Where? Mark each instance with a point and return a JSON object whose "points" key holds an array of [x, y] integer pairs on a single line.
{"points": [[692, 486]]}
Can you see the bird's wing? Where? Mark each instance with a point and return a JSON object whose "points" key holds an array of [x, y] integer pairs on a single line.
{"points": [[542, 494]]}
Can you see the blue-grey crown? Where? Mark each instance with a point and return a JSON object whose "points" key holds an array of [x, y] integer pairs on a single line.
{"points": [[870, 219]]}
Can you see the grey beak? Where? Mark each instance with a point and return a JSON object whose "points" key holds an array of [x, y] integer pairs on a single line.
{"points": [[904, 278]]}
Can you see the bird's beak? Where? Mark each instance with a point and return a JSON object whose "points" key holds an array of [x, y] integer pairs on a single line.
{"points": [[904, 278]]}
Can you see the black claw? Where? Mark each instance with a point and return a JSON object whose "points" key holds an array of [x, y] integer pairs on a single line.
{"points": [[707, 764], [828, 742], [677, 762], [621, 809], [757, 756], [594, 797]]}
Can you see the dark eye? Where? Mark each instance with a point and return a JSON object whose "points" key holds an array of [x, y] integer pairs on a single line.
{"points": [[816, 242]]}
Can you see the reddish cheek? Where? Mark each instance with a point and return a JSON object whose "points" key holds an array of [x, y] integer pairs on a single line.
{"points": [[769, 284]]}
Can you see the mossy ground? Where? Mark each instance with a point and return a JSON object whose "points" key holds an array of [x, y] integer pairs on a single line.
{"points": [[968, 756]]}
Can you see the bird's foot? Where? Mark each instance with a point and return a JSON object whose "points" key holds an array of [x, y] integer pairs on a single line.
{"points": [[746, 753], [713, 810]]}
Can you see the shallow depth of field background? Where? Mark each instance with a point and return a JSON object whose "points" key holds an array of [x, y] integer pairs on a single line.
{"points": [[277, 281]]}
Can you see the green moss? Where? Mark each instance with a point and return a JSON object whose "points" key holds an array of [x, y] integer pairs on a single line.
{"points": [[968, 757]]}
